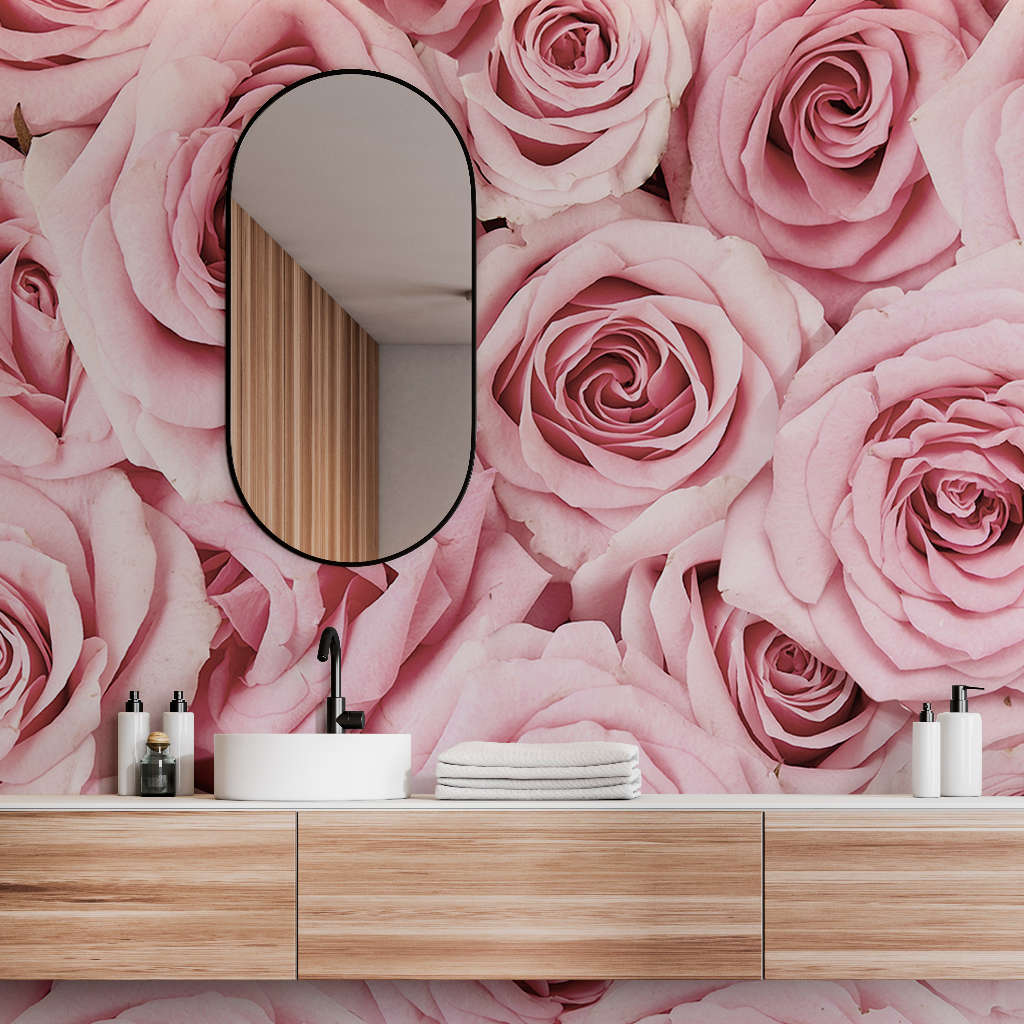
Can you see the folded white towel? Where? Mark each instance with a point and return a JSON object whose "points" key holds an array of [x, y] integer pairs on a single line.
{"points": [[619, 770], [485, 754], [482, 770], [622, 791], [539, 784]]}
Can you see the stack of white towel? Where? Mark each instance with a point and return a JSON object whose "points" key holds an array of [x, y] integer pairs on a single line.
{"points": [[480, 770]]}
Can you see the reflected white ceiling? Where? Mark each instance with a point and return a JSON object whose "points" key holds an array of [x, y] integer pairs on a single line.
{"points": [[365, 184]]}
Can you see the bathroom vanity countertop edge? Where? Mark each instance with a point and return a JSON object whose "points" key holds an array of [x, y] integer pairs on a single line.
{"points": [[428, 803]]}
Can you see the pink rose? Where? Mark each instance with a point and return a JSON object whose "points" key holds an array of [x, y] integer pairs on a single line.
{"points": [[571, 994], [744, 679], [99, 594], [1003, 753], [971, 133], [627, 1002], [17, 996], [64, 63], [624, 358], [312, 1002], [450, 26], [887, 535], [778, 1002], [983, 1002], [800, 139], [570, 104], [51, 421], [136, 217], [524, 684], [400, 622], [34, 30], [1001, 770]]}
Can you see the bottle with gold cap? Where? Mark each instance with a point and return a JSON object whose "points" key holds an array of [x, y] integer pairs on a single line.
{"points": [[157, 774]]}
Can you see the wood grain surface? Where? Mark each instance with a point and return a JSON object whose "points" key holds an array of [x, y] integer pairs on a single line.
{"points": [[303, 403], [885, 894], [529, 894], [159, 894]]}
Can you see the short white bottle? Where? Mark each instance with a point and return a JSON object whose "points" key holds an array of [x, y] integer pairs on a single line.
{"points": [[180, 728], [926, 763], [961, 746], [132, 731]]}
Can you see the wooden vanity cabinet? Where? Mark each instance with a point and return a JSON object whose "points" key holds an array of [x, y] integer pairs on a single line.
{"points": [[138, 895], [470, 892], [894, 894], [532, 893]]}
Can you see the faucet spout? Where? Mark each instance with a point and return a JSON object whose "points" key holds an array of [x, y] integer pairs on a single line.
{"points": [[330, 644], [338, 719]]}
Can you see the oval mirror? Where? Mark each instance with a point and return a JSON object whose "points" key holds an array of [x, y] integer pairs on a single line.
{"points": [[351, 356]]}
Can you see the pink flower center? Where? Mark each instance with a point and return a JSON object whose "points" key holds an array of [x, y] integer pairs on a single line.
{"points": [[574, 45], [614, 381], [794, 706], [956, 471], [24, 659], [960, 515], [833, 109], [32, 285]]}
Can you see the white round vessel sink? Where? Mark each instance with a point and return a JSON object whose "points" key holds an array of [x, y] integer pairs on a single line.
{"points": [[312, 766]]}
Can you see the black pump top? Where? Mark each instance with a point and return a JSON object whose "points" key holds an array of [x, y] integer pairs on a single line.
{"points": [[133, 703], [178, 704], [926, 714], [958, 702]]}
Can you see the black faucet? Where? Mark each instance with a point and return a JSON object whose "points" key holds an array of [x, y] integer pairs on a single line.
{"points": [[338, 719]]}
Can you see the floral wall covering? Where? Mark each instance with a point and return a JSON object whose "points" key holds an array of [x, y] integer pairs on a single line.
{"points": [[751, 422]]}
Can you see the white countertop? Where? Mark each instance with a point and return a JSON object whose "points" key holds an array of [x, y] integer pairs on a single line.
{"points": [[426, 803]]}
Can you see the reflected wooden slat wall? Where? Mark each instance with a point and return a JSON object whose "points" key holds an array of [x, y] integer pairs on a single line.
{"points": [[303, 403]]}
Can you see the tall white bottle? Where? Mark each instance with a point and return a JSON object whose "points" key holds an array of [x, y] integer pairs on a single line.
{"points": [[926, 764], [961, 746], [132, 731], [180, 728]]}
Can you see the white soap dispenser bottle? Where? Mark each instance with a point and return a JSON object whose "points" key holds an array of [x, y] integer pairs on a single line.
{"points": [[926, 758], [132, 730], [961, 746], [180, 729]]}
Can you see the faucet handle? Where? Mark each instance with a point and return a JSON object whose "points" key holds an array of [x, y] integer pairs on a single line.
{"points": [[351, 720], [338, 719]]}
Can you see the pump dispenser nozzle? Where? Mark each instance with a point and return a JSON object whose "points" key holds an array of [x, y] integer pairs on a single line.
{"points": [[179, 703], [926, 714], [958, 702], [133, 703]]}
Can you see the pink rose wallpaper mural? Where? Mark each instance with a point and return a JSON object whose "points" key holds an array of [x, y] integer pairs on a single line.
{"points": [[750, 450]]}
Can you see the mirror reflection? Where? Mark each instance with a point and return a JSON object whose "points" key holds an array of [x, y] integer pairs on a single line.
{"points": [[350, 369]]}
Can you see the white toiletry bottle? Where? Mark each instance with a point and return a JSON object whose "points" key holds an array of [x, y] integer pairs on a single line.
{"points": [[926, 763], [961, 746], [132, 730], [180, 728]]}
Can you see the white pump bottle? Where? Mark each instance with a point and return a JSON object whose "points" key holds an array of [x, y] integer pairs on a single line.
{"points": [[961, 746], [926, 757], [132, 730], [180, 729]]}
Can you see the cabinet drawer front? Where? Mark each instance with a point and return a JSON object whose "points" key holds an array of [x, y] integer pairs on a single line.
{"points": [[159, 894], [538, 893], [929, 894]]}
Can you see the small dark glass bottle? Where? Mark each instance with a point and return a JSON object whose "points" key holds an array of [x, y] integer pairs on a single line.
{"points": [[157, 767]]}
